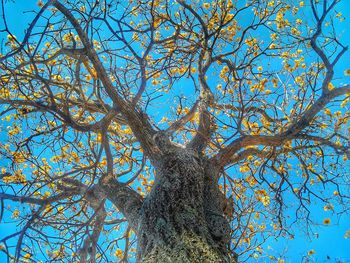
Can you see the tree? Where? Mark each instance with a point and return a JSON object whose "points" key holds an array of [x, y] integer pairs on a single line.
{"points": [[188, 128]]}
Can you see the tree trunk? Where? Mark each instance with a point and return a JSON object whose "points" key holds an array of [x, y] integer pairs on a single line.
{"points": [[182, 219]]}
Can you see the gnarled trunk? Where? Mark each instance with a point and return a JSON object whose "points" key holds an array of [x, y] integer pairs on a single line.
{"points": [[182, 219]]}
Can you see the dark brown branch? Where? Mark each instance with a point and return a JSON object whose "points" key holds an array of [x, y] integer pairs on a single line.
{"points": [[32, 200], [124, 198], [183, 120], [293, 131], [137, 121]]}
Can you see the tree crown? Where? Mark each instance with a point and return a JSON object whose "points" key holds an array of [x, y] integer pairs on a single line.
{"points": [[97, 92]]}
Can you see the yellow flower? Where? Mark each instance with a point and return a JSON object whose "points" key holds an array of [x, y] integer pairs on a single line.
{"points": [[326, 221], [311, 252], [68, 37], [273, 36], [225, 69], [103, 162], [244, 169], [8, 179], [347, 234], [299, 80], [301, 4], [51, 123], [250, 42], [265, 200], [295, 31], [135, 37], [75, 157], [347, 72], [338, 143], [327, 112], [15, 214], [275, 82], [27, 256], [281, 169], [18, 157], [319, 154], [193, 70], [99, 137], [88, 77], [118, 253], [251, 180], [328, 207], [310, 167], [11, 38], [330, 86], [60, 209], [206, 5], [127, 131]]}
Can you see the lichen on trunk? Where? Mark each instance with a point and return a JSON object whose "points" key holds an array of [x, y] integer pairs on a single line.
{"points": [[188, 248]]}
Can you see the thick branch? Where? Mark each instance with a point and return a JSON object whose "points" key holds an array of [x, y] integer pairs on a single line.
{"points": [[224, 156], [124, 198], [37, 201], [309, 114], [137, 121], [183, 120]]}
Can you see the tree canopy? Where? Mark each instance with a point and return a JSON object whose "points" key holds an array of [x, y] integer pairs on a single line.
{"points": [[94, 88]]}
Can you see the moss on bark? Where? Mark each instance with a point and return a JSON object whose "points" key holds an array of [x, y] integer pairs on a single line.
{"points": [[189, 248]]}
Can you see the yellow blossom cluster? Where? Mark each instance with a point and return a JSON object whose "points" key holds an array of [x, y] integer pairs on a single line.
{"points": [[347, 234], [17, 177], [15, 214], [68, 37], [251, 180], [280, 21], [262, 196], [118, 253]]}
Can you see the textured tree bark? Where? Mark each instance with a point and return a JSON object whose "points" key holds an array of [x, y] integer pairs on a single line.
{"points": [[182, 219]]}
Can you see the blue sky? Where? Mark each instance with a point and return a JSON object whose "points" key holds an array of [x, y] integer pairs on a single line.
{"points": [[329, 242]]}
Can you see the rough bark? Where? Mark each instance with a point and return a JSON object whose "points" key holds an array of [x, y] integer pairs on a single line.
{"points": [[182, 219]]}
